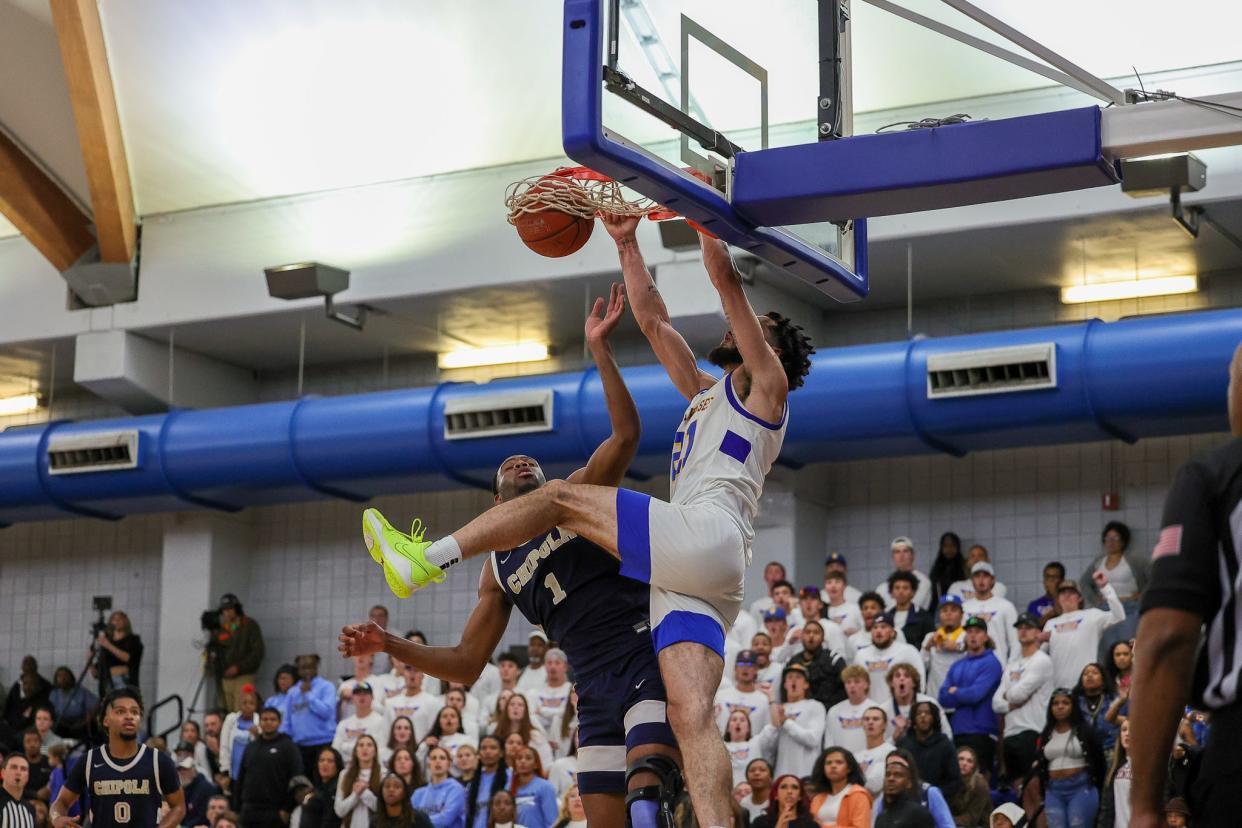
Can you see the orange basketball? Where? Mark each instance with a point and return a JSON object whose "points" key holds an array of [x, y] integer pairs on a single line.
{"points": [[553, 233]]}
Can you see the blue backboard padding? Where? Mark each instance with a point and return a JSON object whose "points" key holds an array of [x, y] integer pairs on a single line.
{"points": [[923, 169], [587, 142]]}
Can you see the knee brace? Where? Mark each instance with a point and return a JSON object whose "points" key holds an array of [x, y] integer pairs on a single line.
{"points": [[651, 806]]}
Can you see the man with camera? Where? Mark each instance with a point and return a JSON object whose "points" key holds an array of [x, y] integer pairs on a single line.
{"points": [[236, 649]]}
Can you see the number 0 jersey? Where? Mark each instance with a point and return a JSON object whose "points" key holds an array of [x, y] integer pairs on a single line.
{"points": [[574, 590], [722, 453], [124, 793]]}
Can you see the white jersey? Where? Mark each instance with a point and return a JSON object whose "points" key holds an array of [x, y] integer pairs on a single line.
{"points": [[722, 453]]}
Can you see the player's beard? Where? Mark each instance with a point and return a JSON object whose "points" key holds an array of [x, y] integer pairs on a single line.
{"points": [[128, 737], [724, 356]]}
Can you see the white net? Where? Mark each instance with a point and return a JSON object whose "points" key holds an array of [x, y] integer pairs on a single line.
{"points": [[576, 191]]}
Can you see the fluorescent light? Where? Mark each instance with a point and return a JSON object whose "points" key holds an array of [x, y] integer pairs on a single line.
{"points": [[499, 355], [18, 405], [1129, 289]]}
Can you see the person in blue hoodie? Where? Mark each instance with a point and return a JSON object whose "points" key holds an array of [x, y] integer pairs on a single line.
{"points": [[310, 707], [286, 677], [536, 796], [443, 799], [967, 692]]}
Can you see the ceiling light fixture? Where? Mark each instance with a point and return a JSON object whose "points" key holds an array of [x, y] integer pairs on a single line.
{"points": [[18, 405], [498, 355], [1129, 289], [306, 279]]}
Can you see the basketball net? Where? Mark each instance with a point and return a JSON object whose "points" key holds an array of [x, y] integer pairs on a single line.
{"points": [[580, 192]]}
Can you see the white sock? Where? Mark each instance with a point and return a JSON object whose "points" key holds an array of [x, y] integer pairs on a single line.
{"points": [[444, 553]]}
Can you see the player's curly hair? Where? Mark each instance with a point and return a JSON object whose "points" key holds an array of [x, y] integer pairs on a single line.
{"points": [[795, 346]]}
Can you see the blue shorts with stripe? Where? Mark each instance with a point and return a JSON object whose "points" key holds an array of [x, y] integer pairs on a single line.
{"points": [[619, 708]]}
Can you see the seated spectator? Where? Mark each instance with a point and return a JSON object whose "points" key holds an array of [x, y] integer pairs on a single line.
{"points": [[465, 763], [1045, 606], [197, 789], [362, 673], [968, 691], [913, 622], [517, 720], [227, 819], [741, 744], [400, 737], [768, 669], [870, 607], [364, 720], [788, 807], [502, 811], [467, 705], [883, 653], [812, 606], [30, 692], [973, 800], [903, 687], [948, 568], [796, 731], [73, 705], [38, 784], [43, 726], [1177, 813], [445, 733], [533, 675], [213, 729], [839, 792], [945, 645], [759, 778], [414, 703], [844, 725], [823, 666], [776, 624], [509, 671], [492, 776], [902, 549], [1022, 698], [1074, 634], [1127, 572], [403, 763], [773, 572], [932, 750], [1119, 666], [218, 805], [395, 810], [903, 803], [563, 732], [1071, 764], [1115, 795], [1094, 698], [358, 791], [320, 808], [119, 655], [192, 738], [871, 757], [535, 796], [835, 563], [966, 588], [1007, 815], [839, 609], [572, 814], [548, 699]]}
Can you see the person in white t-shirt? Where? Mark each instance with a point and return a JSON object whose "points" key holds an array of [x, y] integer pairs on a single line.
{"points": [[509, 670], [999, 613], [456, 695], [904, 687], [871, 757], [835, 562], [944, 646], [776, 624], [413, 702], [1073, 637], [844, 727], [549, 698], [362, 673], [364, 721], [965, 589], [774, 571], [883, 652], [839, 609], [902, 549], [741, 744], [743, 629], [536, 648], [1022, 698], [796, 732], [743, 695], [870, 606], [768, 669], [759, 775]]}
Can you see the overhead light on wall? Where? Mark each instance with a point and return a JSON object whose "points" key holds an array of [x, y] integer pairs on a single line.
{"points": [[306, 279], [20, 404], [1129, 289], [499, 355]]}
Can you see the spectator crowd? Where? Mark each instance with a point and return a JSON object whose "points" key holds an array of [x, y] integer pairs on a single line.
{"points": [[931, 699]]}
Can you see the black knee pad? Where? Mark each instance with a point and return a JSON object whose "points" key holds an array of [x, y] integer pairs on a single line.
{"points": [[651, 806]]}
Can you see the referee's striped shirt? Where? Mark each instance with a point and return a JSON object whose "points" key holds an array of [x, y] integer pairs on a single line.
{"points": [[13, 813], [1195, 566]]}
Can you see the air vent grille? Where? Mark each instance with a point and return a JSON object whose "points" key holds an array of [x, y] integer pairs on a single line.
{"points": [[992, 371], [86, 453], [495, 415]]}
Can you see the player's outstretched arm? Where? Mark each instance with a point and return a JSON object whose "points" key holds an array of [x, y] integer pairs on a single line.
{"points": [[463, 662], [651, 314], [769, 387], [612, 457]]}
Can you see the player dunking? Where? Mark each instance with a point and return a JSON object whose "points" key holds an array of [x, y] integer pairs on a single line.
{"points": [[127, 782], [571, 588], [693, 551]]}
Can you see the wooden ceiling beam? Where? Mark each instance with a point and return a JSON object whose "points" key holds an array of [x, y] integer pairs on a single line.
{"points": [[40, 209], [85, 57]]}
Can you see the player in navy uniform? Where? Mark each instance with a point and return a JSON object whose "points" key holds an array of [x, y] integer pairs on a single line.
{"points": [[573, 589], [126, 781]]}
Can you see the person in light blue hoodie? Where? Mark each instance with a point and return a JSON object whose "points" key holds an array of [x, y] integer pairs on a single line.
{"points": [[535, 796], [286, 676], [311, 710], [443, 799]]}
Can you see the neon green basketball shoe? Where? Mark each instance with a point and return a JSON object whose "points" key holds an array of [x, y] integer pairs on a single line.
{"points": [[402, 556]]}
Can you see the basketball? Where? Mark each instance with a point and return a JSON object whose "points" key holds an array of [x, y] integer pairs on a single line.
{"points": [[553, 233]]}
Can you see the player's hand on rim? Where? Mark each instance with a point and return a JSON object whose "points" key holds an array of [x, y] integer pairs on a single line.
{"points": [[618, 226]]}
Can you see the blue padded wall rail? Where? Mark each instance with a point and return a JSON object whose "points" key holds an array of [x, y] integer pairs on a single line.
{"points": [[1140, 377]]}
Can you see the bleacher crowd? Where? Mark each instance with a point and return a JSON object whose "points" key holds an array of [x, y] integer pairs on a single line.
{"points": [[931, 699]]}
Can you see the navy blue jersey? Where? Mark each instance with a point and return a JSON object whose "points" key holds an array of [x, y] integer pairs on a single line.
{"points": [[574, 590], [124, 794]]}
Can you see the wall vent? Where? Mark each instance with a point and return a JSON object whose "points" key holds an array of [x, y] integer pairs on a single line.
{"points": [[495, 415], [85, 453], [992, 371]]}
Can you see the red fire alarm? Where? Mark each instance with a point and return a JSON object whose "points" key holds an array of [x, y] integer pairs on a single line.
{"points": [[1110, 502]]}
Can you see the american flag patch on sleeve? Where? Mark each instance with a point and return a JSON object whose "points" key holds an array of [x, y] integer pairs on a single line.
{"points": [[1169, 543]]}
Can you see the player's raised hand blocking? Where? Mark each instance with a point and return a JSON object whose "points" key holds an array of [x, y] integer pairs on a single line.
{"points": [[600, 323], [361, 639]]}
